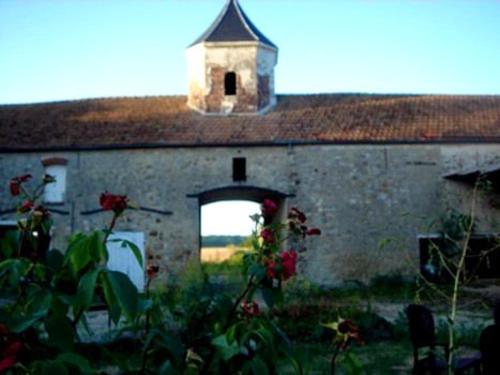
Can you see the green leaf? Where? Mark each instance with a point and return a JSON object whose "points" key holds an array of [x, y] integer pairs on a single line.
{"points": [[168, 369], [272, 296], [296, 365], [333, 325], [173, 345], [247, 368], [76, 360], [22, 323], [39, 272], [14, 269], [144, 305], [39, 302], [352, 364], [226, 350], [137, 253], [125, 292], [61, 332], [96, 248], [9, 243], [231, 333], [266, 337], [258, 271], [86, 288], [55, 260], [259, 367], [49, 368], [77, 256], [59, 305], [114, 309]]}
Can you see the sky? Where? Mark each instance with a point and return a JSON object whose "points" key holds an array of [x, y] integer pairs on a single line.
{"points": [[228, 218], [71, 49], [53, 50]]}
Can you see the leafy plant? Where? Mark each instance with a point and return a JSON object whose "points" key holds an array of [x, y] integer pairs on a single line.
{"points": [[448, 260], [189, 328], [47, 293]]}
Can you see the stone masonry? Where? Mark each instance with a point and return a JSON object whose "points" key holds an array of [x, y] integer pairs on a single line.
{"points": [[360, 197]]}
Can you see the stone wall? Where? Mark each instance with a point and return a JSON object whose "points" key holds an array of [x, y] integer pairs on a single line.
{"points": [[360, 196]]}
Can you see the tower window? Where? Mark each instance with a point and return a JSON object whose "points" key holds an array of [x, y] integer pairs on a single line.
{"points": [[230, 83], [239, 169]]}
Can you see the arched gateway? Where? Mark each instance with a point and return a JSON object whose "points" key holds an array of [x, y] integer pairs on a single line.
{"points": [[240, 193]]}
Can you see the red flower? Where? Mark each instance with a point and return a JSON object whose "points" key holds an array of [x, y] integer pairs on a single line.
{"points": [[12, 349], [4, 330], [350, 332], [15, 190], [296, 214], [6, 363], [152, 271], [271, 269], [26, 206], [268, 236], [313, 232], [15, 184], [289, 263], [9, 355], [112, 202], [250, 308], [269, 208], [24, 178]]}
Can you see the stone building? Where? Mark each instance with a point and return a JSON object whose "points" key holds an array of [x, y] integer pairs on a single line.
{"points": [[373, 171]]}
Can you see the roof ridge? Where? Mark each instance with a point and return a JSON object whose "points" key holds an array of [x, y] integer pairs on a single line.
{"points": [[280, 96], [243, 19], [214, 24]]}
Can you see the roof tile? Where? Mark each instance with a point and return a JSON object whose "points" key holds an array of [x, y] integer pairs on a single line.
{"points": [[167, 121]]}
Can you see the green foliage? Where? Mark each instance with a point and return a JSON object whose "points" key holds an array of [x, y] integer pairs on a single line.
{"points": [[456, 225], [394, 286], [9, 243], [188, 328], [222, 241]]}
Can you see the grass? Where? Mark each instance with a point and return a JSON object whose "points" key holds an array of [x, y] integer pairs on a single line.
{"points": [[230, 266]]}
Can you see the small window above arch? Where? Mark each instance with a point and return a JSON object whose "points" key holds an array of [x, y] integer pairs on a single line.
{"points": [[230, 83]]}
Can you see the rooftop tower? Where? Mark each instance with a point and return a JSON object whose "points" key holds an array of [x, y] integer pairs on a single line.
{"points": [[231, 66]]}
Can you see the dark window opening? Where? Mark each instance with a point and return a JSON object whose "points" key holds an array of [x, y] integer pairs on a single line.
{"points": [[230, 83], [239, 169], [482, 261]]}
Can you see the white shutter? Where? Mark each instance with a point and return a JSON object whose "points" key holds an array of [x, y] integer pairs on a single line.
{"points": [[55, 191], [123, 259]]}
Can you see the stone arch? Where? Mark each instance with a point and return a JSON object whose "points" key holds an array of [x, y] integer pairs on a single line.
{"points": [[249, 193], [246, 193]]}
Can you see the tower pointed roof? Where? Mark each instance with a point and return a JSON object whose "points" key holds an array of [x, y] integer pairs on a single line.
{"points": [[233, 25]]}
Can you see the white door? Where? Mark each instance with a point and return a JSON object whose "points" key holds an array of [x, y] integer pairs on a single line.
{"points": [[122, 259]]}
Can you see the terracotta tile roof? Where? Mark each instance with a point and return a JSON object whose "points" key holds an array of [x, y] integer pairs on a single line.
{"points": [[166, 121]]}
